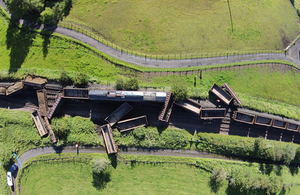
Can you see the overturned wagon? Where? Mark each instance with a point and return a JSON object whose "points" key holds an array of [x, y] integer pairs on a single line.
{"points": [[132, 123], [118, 114], [39, 123], [190, 105], [34, 82], [220, 93], [109, 141]]}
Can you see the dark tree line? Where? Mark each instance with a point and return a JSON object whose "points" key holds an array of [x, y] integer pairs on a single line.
{"points": [[45, 11]]}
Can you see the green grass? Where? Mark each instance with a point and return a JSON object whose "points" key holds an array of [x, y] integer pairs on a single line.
{"points": [[180, 27], [48, 55], [75, 176]]}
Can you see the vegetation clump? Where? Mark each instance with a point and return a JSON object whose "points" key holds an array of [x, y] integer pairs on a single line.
{"points": [[72, 130], [179, 90], [151, 137], [131, 84], [45, 11], [100, 165]]}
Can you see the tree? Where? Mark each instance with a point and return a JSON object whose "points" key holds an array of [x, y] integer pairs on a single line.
{"points": [[47, 15], [179, 90], [100, 165]]}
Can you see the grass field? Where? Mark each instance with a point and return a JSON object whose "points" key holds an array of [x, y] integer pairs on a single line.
{"points": [[179, 27], [76, 177], [48, 55]]}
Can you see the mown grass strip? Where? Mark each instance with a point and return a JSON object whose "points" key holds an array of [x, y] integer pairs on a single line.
{"points": [[150, 177]]}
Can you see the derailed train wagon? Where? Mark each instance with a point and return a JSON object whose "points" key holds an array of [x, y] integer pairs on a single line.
{"points": [[77, 93], [17, 87], [132, 123], [220, 93], [39, 123], [263, 120], [34, 82], [42, 100], [213, 113], [109, 141], [167, 108], [243, 117], [118, 114], [190, 105]]}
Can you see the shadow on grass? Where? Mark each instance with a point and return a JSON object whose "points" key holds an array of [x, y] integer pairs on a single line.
{"points": [[18, 40], [100, 180], [114, 160], [214, 185], [266, 168], [294, 170]]}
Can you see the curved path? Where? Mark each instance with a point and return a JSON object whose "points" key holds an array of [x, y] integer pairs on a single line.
{"points": [[147, 62], [100, 149]]}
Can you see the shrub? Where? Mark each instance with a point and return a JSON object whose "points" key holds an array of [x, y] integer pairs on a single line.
{"points": [[119, 84], [219, 174], [100, 165], [174, 138], [289, 153], [80, 79], [132, 84], [179, 90], [64, 77]]}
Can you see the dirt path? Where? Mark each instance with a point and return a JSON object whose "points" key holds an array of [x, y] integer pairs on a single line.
{"points": [[156, 63]]}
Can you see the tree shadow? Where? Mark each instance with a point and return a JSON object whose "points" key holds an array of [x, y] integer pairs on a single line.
{"points": [[294, 170], [278, 170], [100, 180], [114, 160], [266, 168], [214, 185], [18, 40]]}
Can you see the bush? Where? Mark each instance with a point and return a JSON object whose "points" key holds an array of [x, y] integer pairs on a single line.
{"points": [[64, 77], [100, 165], [128, 84], [174, 139], [179, 90], [80, 79], [219, 174], [119, 84], [132, 84], [73, 130], [289, 153]]}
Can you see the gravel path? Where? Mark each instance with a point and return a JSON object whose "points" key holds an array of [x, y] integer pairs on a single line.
{"points": [[146, 62]]}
